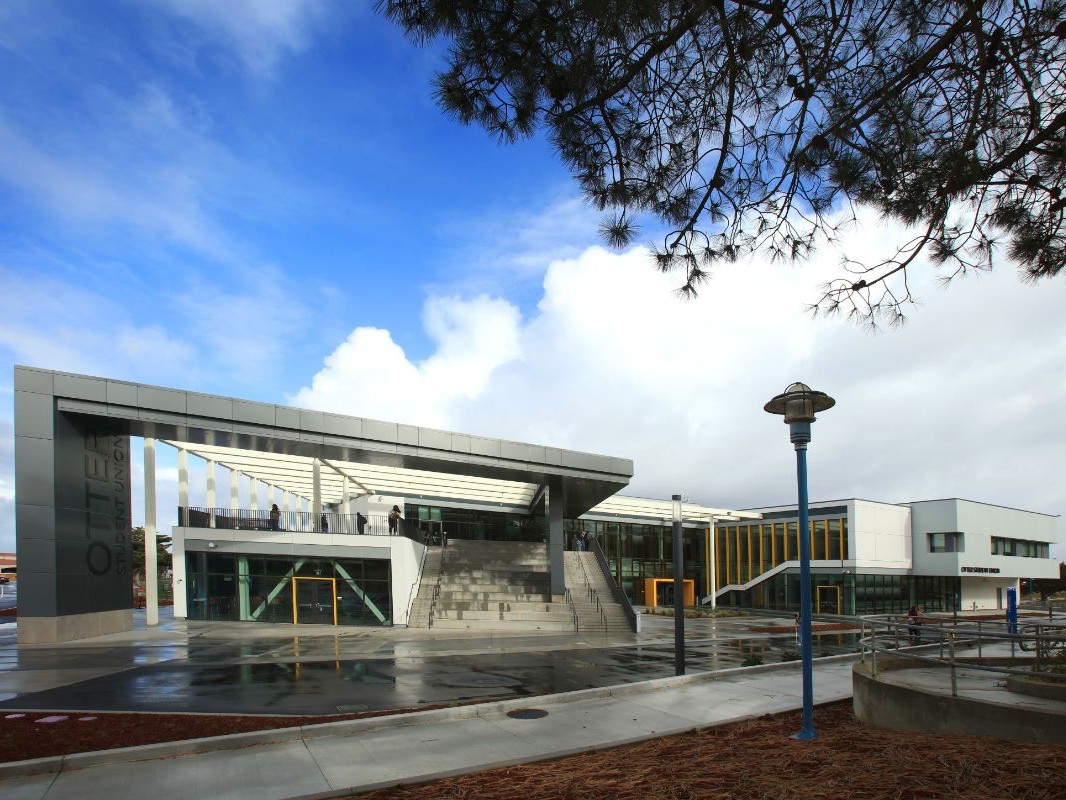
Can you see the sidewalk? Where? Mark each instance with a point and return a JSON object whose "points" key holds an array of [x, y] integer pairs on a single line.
{"points": [[359, 755]]}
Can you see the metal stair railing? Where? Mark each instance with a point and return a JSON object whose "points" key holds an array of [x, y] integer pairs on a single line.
{"points": [[616, 590], [573, 611], [594, 595], [436, 587], [927, 642]]}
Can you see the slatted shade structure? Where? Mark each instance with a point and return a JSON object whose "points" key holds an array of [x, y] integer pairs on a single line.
{"points": [[294, 474]]}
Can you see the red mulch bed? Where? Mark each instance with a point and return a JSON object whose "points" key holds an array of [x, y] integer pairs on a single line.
{"points": [[23, 737], [758, 760]]}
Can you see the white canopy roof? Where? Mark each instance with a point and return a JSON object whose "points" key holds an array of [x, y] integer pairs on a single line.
{"points": [[293, 473]]}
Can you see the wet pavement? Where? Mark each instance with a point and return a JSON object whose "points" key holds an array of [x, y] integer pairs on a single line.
{"points": [[235, 668]]}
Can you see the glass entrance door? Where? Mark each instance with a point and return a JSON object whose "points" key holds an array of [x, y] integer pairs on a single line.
{"points": [[314, 601], [828, 599]]}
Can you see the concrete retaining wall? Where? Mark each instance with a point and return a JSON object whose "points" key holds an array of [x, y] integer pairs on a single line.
{"points": [[909, 709]]}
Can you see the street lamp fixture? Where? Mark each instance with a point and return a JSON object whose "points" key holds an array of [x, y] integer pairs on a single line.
{"points": [[798, 404]]}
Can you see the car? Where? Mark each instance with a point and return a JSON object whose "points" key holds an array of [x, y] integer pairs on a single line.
{"points": [[4, 579]]}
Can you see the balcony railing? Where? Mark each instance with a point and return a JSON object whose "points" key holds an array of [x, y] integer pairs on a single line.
{"points": [[244, 519]]}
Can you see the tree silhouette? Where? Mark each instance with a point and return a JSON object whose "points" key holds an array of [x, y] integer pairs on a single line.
{"points": [[761, 125]]}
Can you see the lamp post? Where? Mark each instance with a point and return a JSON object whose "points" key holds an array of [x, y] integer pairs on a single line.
{"points": [[798, 404]]}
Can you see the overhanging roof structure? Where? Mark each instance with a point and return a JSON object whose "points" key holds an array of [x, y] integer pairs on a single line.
{"points": [[294, 474], [385, 453]]}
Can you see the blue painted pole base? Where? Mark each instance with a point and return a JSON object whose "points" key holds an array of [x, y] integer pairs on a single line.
{"points": [[805, 734]]}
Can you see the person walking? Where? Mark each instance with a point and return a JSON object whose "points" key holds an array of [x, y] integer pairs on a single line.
{"points": [[914, 624]]}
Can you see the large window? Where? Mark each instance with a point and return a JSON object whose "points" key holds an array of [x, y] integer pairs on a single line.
{"points": [[637, 551], [467, 523], [261, 588], [851, 594], [745, 550], [948, 542], [1002, 546]]}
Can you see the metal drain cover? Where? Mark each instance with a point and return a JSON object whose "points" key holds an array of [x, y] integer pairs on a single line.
{"points": [[527, 713]]}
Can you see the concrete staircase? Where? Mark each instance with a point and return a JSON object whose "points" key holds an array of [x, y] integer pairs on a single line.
{"points": [[423, 602], [582, 573], [496, 585]]}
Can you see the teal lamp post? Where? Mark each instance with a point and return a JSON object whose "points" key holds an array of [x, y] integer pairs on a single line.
{"points": [[798, 404]]}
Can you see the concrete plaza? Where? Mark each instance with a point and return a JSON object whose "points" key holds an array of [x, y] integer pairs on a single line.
{"points": [[586, 693]]}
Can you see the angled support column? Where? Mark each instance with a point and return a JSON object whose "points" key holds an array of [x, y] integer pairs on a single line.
{"points": [[346, 515], [234, 491], [316, 495], [151, 567], [183, 482], [212, 499]]}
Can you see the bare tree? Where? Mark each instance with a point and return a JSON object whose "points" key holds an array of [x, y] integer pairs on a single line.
{"points": [[750, 125]]}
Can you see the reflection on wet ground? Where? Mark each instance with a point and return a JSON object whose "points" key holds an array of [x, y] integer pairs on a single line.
{"points": [[327, 672]]}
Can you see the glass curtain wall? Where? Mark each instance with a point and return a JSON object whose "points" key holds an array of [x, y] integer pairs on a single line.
{"points": [[468, 523], [745, 551], [637, 551], [845, 593], [285, 589]]}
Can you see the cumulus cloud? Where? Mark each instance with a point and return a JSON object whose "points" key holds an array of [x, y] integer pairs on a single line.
{"points": [[370, 375], [958, 402]]}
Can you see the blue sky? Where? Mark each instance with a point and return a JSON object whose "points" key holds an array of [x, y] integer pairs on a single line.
{"points": [[167, 151], [261, 199]]}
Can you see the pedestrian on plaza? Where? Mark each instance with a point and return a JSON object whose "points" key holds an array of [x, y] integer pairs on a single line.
{"points": [[324, 524], [914, 624], [584, 541], [796, 625], [275, 517], [394, 520]]}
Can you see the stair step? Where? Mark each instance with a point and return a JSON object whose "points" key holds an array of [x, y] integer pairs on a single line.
{"points": [[562, 614], [501, 597], [491, 605], [510, 625]]}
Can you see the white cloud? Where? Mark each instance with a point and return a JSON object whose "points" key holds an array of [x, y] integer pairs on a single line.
{"points": [[48, 323], [961, 401], [152, 180], [261, 32], [369, 374], [511, 247]]}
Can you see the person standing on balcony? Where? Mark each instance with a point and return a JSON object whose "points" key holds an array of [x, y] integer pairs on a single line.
{"points": [[394, 520], [275, 517]]}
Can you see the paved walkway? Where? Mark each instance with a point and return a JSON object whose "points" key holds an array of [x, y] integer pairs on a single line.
{"points": [[359, 755]]}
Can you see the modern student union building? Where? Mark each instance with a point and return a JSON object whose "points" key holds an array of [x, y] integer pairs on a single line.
{"points": [[293, 516]]}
